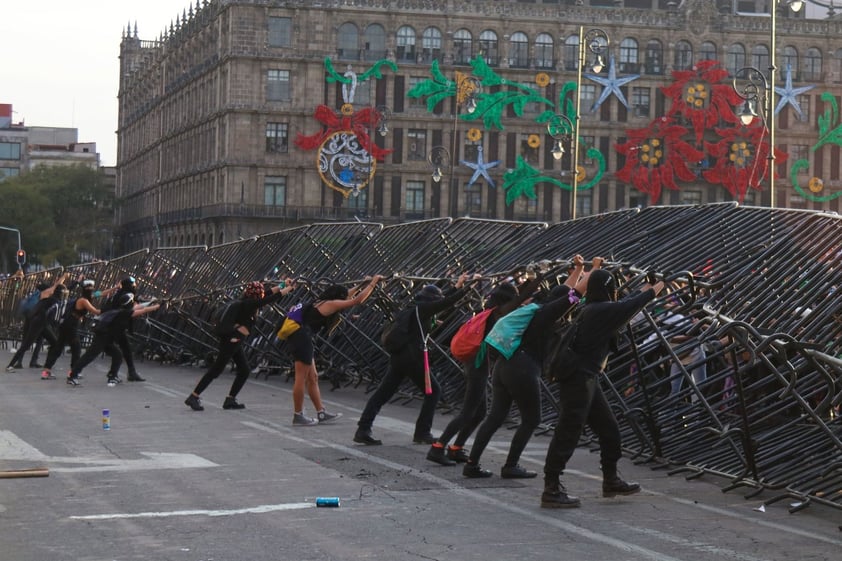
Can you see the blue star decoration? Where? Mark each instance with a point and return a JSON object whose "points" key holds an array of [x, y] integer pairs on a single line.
{"points": [[611, 84], [480, 168], [789, 95]]}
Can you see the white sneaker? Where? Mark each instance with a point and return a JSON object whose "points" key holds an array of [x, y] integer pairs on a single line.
{"points": [[300, 420]]}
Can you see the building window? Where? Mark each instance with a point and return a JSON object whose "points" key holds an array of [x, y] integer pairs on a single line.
{"points": [[416, 102], [359, 201], [489, 48], [691, 197], [374, 42], [363, 93], [584, 203], [527, 152], [348, 42], [9, 150], [640, 102], [628, 56], [417, 141], [277, 85], [760, 57], [8, 172], [654, 57], [280, 32], [586, 143], [473, 199], [532, 106], [707, 51], [519, 50], [790, 61], [683, 56], [812, 65], [735, 58], [405, 44], [526, 208], [430, 45], [798, 152], [804, 102], [275, 191], [277, 137], [588, 97], [544, 56], [462, 47], [571, 52], [414, 198]]}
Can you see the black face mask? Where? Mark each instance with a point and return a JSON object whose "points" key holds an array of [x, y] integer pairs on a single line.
{"points": [[601, 287]]}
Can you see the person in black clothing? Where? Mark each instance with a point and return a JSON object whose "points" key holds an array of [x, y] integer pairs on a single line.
{"points": [[518, 380], [37, 325], [231, 342], [127, 286], [408, 362], [321, 314], [581, 397], [68, 329], [503, 299], [110, 325]]}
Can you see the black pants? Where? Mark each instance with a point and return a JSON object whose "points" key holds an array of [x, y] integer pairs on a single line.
{"points": [[35, 331], [515, 380], [122, 341], [227, 352], [582, 401], [408, 363], [102, 343], [68, 334], [473, 405]]}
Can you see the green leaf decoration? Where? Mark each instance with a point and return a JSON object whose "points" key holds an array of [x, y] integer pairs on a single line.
{"points": [[830, 118], [375, 70], [594, 154], [521, 181], [806, 193], [333, 75], [567, 100]]}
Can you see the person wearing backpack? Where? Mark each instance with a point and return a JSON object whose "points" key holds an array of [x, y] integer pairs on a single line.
{"points": [[234, 327], [516, 374], [36, 325], [68, 328], [408, 361], [108, 328], [315, 316], [503, 299], [581, 399]]}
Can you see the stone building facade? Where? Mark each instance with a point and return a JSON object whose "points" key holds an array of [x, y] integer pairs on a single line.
{"points": [[210, 110]]}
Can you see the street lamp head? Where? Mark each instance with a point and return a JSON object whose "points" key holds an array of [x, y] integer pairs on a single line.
{"points": [[599, 64], [795, 5], [748, 113], [558, 150], [383, 129], [437, 175]]}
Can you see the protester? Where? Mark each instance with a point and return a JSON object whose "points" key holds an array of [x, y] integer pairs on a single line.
{"points": [[127, 286], [235, 326], [517, 379], [408, 361], [36, 324], [109, 327], [580, 395], [321, 314]]}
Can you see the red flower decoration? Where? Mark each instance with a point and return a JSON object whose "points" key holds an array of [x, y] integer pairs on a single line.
{"points": [[360, 123], [655, 156], [742, 159], [699, 96]]}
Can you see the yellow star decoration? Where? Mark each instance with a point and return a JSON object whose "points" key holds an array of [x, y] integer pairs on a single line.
{"points": [[533, 141], [474, 134], [542, 79], [815, 185]]}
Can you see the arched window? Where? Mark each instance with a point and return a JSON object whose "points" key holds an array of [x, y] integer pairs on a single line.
{"points": [[431, 45], [405, 47], [629, 56], [790, 59], [836, 67], [375, 42], [683, 56], [760, 57], [707, 51], [813, 65], [519, 50], [735, 58], [489, 48], [654, 57], [348, 42], [571, 52], [544, 51], [462, 47]]}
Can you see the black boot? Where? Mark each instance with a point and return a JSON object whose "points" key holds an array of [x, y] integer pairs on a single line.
{"points": [[555, 496], [436, 454], [135, 377], [363, 436], [616, 486]]}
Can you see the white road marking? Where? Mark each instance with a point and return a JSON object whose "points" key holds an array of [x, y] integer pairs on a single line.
{"points": [[251, 510]]}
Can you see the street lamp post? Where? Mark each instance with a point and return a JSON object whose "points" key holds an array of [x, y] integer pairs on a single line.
{"points": [[439, 157], [759, 82], [20, 266], [596, 41], [467, 89], [560, 128]]}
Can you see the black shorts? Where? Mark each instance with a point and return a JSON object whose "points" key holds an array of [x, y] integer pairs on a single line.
{"points": [[300, 345]]}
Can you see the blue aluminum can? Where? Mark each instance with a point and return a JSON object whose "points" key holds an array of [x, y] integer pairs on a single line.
{"points": [[106, 419], [327, 501]]}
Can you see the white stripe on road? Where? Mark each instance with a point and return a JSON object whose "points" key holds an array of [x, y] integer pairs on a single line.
{"points": [[252, 510]]}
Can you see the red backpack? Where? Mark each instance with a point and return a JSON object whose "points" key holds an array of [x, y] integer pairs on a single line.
{"points": [[466, 342]]}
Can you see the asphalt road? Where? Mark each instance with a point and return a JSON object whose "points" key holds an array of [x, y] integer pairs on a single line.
{"points": [[166, 483]]}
